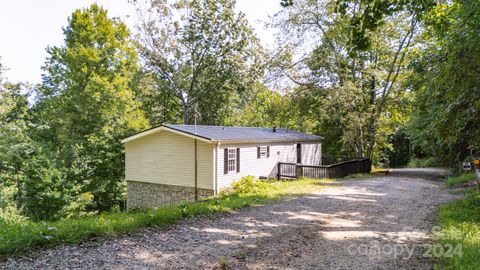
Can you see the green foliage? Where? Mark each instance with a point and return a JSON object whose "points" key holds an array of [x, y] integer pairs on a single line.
{"points": [[22, 237], [9, 213], [158, 103], [355, 100], [266, 108], [399, 154], [202, 53], [459, 179], [16, 149], [460, 222], [248, 185], [63, 157], [88, 84], [368, 16], [445, 121], [423, 162]]}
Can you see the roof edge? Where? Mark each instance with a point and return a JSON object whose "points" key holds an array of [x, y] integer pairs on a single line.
{"points": [[160, 128], [209, 140]]}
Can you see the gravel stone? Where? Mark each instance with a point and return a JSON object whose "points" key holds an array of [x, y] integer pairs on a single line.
{"points": [[329, 229]]}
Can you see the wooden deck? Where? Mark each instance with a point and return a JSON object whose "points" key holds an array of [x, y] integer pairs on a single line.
{"points": [[338, 170]]}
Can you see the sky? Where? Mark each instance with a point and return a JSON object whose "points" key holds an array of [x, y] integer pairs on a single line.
{"points": [[27, 27]]}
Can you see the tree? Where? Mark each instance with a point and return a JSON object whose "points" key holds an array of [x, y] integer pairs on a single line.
{"points": [[87, 103], [203, 53], [445, 123], [265, 108], [365, 17], [355, 89], [158, 102], [15, 148]]}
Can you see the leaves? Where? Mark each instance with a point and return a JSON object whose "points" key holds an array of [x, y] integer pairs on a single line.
{"points": [[204, 59], [445, 121], [350, 90]]}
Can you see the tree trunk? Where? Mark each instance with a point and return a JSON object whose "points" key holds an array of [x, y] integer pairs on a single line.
{"points": [[185, 115]]}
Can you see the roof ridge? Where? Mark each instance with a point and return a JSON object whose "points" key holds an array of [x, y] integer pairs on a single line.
{"points": [[227, 126]]}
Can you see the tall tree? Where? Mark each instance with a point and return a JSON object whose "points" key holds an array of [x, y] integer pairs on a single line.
{"points": [[367, 16], [15, 147], [203, 52], [445, 122], [354, 88], [87, 103]]}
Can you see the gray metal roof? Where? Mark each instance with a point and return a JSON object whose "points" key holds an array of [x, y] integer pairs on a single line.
{"points": [[245, 134]]}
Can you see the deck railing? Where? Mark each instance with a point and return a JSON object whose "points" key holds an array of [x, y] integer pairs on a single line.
{"points": [[338, 170]]}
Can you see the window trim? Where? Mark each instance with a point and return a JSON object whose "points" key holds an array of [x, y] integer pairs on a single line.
{"points": [[263, 151], [232, 160]]}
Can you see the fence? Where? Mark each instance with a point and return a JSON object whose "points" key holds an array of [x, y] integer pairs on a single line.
{"points": [[338, 170]]}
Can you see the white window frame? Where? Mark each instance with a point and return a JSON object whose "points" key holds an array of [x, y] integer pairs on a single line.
{"points": [[232, 160], [263, 151]]}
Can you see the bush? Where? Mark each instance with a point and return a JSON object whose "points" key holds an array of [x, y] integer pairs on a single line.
{"points": [[248, 185], [9, 213], [423, 162], [459, 179]]}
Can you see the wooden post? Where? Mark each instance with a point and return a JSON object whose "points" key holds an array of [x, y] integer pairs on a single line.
{"points": [[298, 171], [278, 170], [476, 162]]}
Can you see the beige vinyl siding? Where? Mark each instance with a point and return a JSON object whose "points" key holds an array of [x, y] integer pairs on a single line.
{"points": [[168, 158]]}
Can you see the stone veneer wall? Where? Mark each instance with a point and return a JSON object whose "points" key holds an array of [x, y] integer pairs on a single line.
{"points": [[148, 195]]}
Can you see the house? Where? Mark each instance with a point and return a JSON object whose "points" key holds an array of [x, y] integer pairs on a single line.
{"points": [[175, 163]]}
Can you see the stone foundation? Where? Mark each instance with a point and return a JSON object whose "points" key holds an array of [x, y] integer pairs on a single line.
{"points": [[148, 195]]}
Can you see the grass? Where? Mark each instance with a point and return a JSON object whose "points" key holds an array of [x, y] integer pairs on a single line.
{"points": [[463, 178], [422, 162], [375, 172], [460, 222], [26, 236]]}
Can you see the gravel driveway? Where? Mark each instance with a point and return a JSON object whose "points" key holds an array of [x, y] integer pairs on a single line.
{"points": [[374, 223]]}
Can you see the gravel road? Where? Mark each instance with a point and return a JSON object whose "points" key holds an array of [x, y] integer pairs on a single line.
{"points": [[374, 223]]}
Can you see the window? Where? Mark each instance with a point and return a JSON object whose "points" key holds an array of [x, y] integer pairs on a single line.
{"points": [[232, 159], [263, 151]]}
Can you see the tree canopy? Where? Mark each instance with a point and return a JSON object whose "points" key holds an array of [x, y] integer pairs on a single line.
{"points": [[445, 122], [202, 53], [389, 80]]}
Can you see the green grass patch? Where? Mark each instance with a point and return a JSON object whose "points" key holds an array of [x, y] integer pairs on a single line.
{"points": [[459, 179], [423, 162], [374, 173], [461, 229], [16, 238]]}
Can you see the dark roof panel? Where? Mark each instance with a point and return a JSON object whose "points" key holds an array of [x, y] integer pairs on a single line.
{"points": [[253, 134]]}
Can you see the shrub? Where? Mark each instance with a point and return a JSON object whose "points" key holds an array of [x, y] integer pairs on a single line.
{"points": [[423, 162], [9, 213], [248, 185], [459, 179]]}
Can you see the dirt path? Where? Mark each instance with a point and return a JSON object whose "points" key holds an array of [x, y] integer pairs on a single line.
{"points": [[363, 224]]}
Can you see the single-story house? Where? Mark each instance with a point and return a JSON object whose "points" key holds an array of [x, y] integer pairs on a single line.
{"points": [[176, 163]]}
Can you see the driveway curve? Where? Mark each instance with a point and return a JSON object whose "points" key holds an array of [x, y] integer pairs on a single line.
{"points": [[373, 223]]}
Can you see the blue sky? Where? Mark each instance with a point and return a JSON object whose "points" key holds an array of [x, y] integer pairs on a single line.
{"points": [[27, 27]]}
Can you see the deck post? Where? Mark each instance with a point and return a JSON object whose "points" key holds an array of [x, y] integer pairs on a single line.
{"points": [[278, 170]]}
